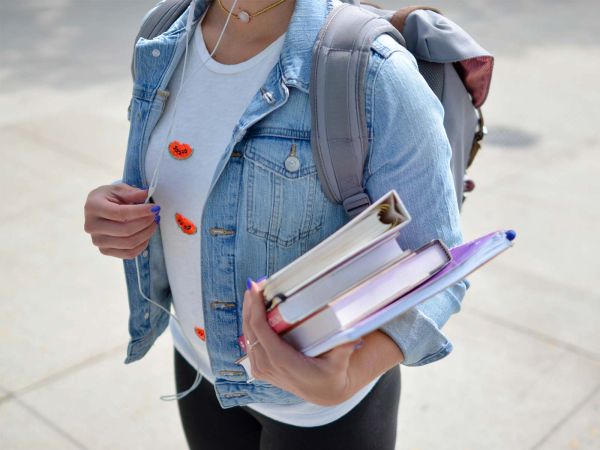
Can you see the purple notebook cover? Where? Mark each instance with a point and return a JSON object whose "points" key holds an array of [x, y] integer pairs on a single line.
{"points": [[460, 255]]}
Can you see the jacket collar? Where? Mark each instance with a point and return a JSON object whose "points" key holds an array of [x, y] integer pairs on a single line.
{"points": [[306, 22]]}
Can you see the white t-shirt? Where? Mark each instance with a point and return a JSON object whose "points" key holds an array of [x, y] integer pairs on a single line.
{"points": [[219, 94]]}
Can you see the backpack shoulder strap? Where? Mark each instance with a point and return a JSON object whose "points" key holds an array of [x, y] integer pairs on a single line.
{"points": [[337, 95], [158, 20]]}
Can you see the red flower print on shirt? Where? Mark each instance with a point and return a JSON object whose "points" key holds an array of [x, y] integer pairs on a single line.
{"points": [[200, 333], [186, 225], [179, 150]]}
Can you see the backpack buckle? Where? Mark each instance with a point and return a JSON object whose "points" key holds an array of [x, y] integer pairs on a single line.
{"points": [[356, 203], [479, 135], [482, 130]]}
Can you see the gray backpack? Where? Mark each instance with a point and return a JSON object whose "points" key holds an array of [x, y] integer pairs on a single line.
{"points": [[455, 67]]}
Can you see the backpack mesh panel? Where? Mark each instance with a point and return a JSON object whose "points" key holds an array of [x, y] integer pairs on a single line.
{"points": [[434, 75]]}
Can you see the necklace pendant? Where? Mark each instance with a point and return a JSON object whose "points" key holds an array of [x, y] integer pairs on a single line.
{"points": [[243, 16]]}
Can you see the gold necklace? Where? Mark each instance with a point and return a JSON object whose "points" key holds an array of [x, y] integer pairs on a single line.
{"points": [[245, 16]]}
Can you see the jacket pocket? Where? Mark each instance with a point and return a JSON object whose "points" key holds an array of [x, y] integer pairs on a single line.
{"points": [[284, 201]]}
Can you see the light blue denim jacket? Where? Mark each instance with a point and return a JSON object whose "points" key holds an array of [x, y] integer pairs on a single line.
{"points": [[259, 216]]}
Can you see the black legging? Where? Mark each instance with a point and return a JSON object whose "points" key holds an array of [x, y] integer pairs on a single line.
{"points": [[370, 425]]}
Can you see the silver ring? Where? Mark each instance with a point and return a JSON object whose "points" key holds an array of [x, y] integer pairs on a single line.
{"points": [[249, 345]]}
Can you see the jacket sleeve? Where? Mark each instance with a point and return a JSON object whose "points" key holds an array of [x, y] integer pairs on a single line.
{"points": [[410, 152]]}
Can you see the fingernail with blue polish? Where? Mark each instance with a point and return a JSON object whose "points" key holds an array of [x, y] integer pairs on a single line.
{"points": [[155, 209], [249, 283], [264, 277], [157, 218]]}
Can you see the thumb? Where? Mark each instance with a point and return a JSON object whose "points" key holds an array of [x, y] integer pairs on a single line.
{"points": [[130, 194]]}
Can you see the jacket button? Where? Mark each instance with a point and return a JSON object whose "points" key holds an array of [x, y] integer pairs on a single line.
{"points": [[147, 316], [268, 97], [216, 231], [219, 304], [235, 394], [145, 254], [237, 373], [292, 163], [156, 53]]}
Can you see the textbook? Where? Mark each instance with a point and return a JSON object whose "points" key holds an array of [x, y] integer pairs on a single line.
{"points": [[381, 222], [465, 259], [317, 294], [367, 296]]}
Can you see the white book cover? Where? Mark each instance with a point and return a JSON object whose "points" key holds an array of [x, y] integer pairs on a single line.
{"points": [[330, 285], [381, 221]]}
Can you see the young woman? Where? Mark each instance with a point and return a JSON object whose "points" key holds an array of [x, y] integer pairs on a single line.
{"points": [[239, 197]]}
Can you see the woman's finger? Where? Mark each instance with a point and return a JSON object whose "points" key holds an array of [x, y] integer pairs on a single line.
{"points": [[273, 345], [124, 254], [125, 243], [246, 301], [246, 309], [260, 363], [259, 360], [249, 336], [108, 227], [119, 213], [127, 213]]}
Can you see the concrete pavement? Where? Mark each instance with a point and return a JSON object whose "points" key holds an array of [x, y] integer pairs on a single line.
{"points": [[525, 371]]}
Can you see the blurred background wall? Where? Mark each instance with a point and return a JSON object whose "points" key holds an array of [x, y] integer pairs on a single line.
{"points": [[525, 371]]}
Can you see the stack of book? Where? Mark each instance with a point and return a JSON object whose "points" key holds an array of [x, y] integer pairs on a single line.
{"points": [[359, 278]]}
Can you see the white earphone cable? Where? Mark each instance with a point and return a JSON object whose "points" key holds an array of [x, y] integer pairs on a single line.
{"points": [[154, 182]]}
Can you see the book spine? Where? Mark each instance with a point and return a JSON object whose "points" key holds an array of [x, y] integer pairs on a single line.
{"points": [[276, 321]]}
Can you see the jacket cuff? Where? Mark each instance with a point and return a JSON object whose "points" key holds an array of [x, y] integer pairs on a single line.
{"points": [[418, 333], [420, 340]]}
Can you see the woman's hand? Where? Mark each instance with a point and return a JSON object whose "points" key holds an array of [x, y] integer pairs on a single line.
{"points": [[118, 221], [323, 380]]}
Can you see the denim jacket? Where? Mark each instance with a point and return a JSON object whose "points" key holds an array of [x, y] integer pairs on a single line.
{"points": [[260, 216]]}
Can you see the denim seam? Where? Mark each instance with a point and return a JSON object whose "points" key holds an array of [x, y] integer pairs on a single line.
{"points": [[441, 353], [372, 110], [279, 132], [251, 155]]}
